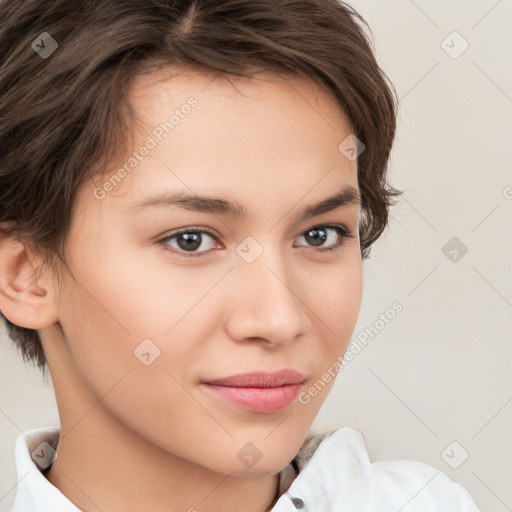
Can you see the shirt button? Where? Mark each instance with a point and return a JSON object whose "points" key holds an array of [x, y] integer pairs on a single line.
{"points": [[298, 503]]}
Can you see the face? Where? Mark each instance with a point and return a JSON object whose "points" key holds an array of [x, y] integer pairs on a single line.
{"points": [[170, 292]]}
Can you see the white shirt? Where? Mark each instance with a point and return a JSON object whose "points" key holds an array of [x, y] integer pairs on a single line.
{"points": [[335, 474]]}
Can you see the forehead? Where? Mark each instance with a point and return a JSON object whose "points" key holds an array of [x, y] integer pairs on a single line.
{"points": [[286, 93], [244, 138]]}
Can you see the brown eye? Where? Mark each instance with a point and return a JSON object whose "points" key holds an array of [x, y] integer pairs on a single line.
{"points": [[189, 241], [317, 236]]}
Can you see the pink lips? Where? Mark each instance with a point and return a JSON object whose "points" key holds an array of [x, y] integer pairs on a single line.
{"points": [[259, 391]]}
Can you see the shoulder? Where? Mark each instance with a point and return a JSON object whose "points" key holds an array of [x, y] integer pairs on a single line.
{"points": [[350, 480]]}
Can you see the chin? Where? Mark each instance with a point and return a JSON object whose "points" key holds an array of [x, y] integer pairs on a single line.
{"points": [[259, 470], [250, 461]]}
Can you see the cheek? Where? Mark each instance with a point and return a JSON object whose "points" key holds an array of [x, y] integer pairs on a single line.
{"points": [[127, 311], [335, 302], [336, 305], [103, 327]]}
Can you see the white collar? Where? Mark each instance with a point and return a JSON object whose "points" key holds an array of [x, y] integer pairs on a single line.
{"points": [[340, 477], [35, 493]]}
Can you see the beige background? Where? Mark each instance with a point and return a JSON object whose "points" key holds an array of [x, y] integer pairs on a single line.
{"points": [[440, 370]]}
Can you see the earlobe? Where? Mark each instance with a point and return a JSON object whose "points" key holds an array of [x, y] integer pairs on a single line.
{"points": [[25, 299]]}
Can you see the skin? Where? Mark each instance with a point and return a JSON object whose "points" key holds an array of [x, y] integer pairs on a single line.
{"points": [[136, 437]]}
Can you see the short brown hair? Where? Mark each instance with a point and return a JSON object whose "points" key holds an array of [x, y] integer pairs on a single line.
{"points": [[60, 116]]}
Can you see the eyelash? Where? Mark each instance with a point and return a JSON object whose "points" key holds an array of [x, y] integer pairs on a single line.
{"points": [[340, 230]]}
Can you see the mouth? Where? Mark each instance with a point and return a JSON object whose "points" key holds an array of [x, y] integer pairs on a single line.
{"points": [[259, 392]]}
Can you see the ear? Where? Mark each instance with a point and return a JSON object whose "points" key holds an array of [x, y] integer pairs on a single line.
{"points": [[25, 299]]}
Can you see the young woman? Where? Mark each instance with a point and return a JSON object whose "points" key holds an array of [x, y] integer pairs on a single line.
{"points": [[187, 192]]}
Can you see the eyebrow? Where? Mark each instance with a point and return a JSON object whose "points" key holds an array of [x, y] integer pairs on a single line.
{"points": [[205, 204]]}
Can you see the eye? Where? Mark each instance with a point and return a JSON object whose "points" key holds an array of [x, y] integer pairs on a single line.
{"points": [[187, 241], [318, 235]]}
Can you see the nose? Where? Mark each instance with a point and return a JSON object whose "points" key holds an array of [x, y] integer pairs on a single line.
{"points": [[267, 304]]}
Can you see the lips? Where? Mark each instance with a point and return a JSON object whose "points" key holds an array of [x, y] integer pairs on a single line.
{"points": [[260, 379], [259, 392]]}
